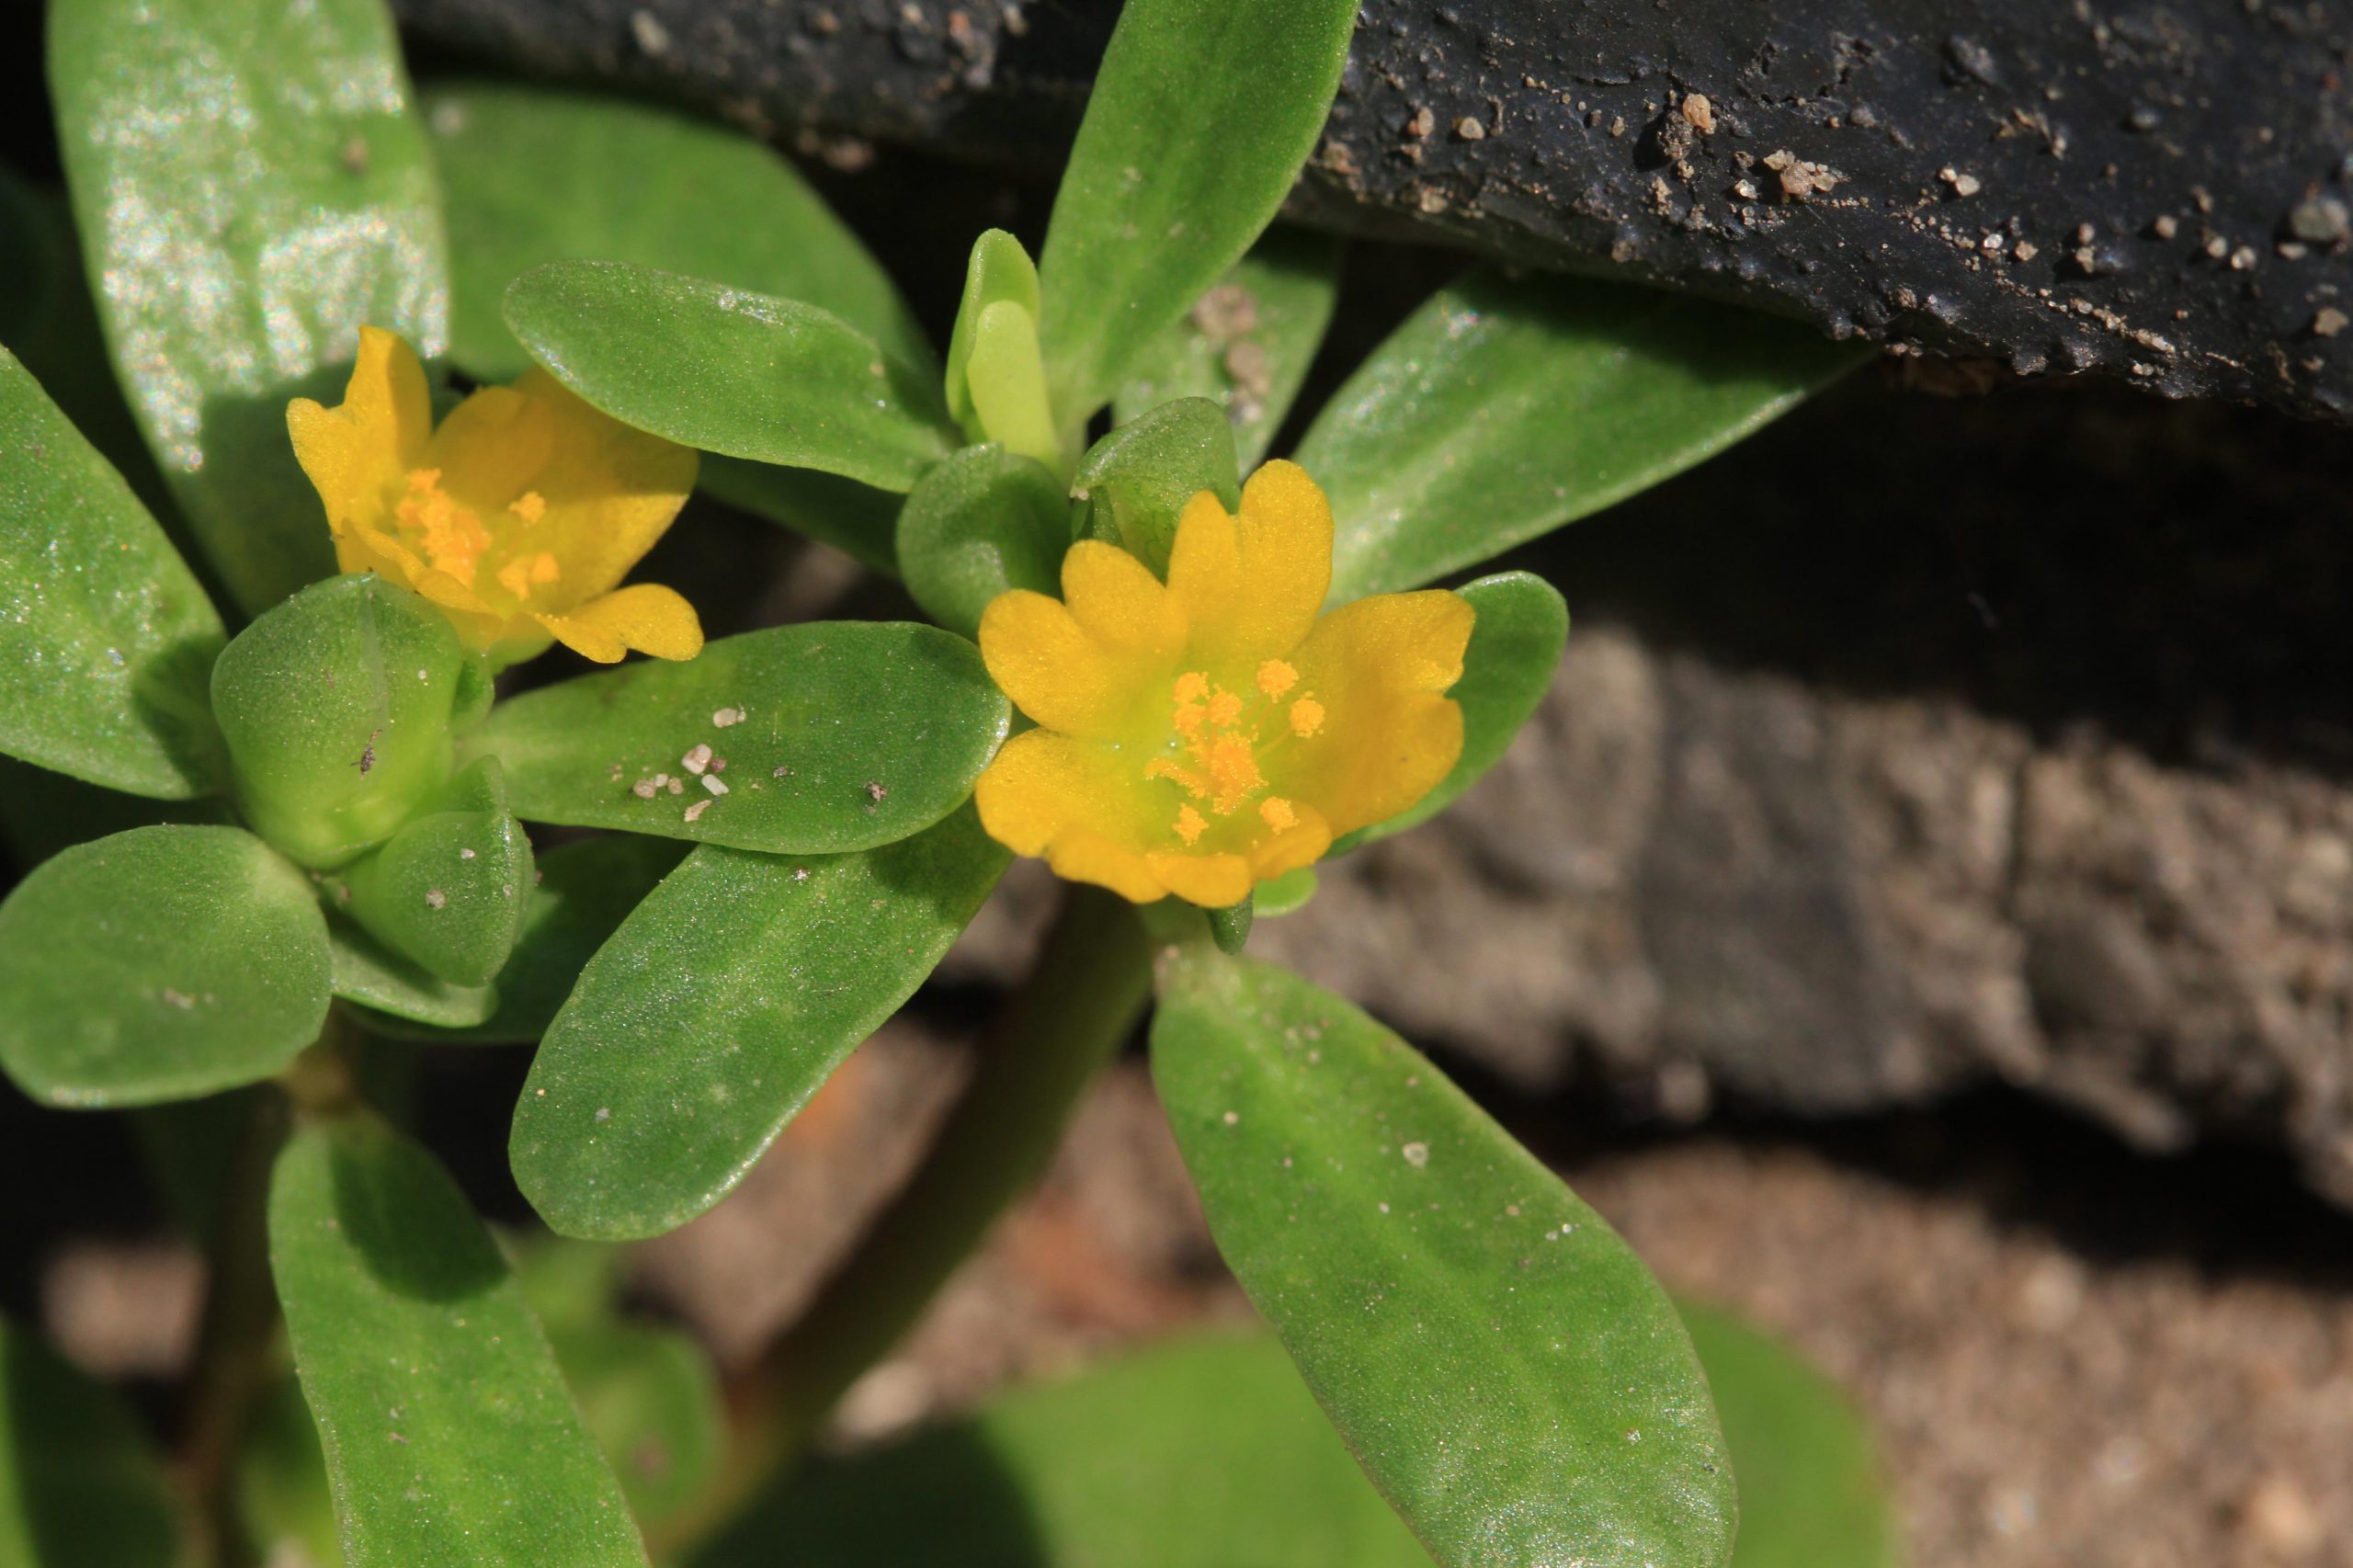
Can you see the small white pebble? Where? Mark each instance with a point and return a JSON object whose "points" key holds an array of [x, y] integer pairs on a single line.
{"points": [[695, 811], [435, 898], [604, 1113], [716, 785], [696, 760], [1233, 1117], [726, 716], [465, 854], [1416, 1153], [677, 786], [644, 788]]}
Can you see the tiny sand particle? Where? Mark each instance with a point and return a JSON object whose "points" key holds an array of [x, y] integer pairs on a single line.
{"points": [[716, 785], [677, 786], [726, 716], [695, 811], [696, 760], [465, 854], [436, 898], [1416, 1153], [644, 788]]}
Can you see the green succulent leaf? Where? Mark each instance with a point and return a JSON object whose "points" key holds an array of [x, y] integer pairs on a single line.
{"points": [[377, 979], [1285, 894], [729, 370], [448, 890], [1501, 410], [651, 1398], [984, 523], [585, 889], [1006, 379], [284, 1499], [1136, 479], [534, 174], [252, 188], [1230, 926], [801, 740], [1248, 343], [450, 1437], [1197, 124], [1812, 1493], [1505, 1369], [337, 706], [159, 964], [79, 1487], [1523, 624], [716, 1010], [107, 643], [1202, 1454], [998, 271], [856, 520]]}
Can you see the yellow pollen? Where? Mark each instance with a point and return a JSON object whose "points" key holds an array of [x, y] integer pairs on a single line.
{"points": [[422, 479], [530, 506], [1191, 824], [1191, 686], [1224, 708], [1306, 717], [451, 538], [1275, 677], [1277, 813]]}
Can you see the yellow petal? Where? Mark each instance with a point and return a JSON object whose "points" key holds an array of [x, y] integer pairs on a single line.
{"points": [[1251, 586], [1301, 844], [645, 616], [1042, 657], [1117, 602], [610, 491], [493, 447], [1074, 801], [1212, 881], [1378, 666], [356, 451]]}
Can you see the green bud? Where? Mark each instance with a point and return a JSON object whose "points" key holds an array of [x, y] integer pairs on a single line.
{"points": [[448, 892], [1138, 479], [996, 377], [338, 707]]}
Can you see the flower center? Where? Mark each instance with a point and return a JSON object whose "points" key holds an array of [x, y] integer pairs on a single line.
{"points": [[451, 538], [1220, 739]]}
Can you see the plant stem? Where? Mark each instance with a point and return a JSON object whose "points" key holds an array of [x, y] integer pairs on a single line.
{"points": [[1076, 1006], [233, 1341]]}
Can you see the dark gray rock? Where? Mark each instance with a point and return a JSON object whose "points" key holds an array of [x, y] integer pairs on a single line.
{"points": [[2154, 191]]}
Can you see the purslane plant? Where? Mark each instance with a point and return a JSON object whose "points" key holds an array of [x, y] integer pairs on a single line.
{"points": [[1218, 683]]}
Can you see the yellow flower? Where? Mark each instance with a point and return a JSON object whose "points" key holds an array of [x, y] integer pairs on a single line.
{"points": [[518, 517], [1201, 736]]}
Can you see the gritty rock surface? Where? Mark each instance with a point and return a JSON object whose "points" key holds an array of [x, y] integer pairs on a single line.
{"points": [[2156, 194]]}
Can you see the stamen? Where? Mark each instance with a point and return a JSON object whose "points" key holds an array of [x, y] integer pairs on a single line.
{"points": [[1277, 813], [530, 506], [1224, 708], [1191, 686], [1306, 717], [1190, 825], [1275, 677]]}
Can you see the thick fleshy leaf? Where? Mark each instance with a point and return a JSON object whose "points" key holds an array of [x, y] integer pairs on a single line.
{"points": [[998, 270], [368, 973], [1812, 1494], [801, 740], [982, 523], [1199, 121], [1505, 1369], [252, 188], [1502, 409], [159, 964], [448, 892], [856, 520], [585, 889], [716, 1010], [1137, 480], [284, 1499], [1248, 343], [533, 174], [107, 643], [1203, 1454], [1515, 647], [730, 370], [648, 1394], [79, 1487], [338, 705], [450, 1437]]}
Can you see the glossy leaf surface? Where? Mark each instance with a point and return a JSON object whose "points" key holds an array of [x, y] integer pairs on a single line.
{"points": [[716, 1010], [730, 370], [1199, 119], [252, 187], [337, 706], [1203, 1454], [984, 522], [107, 643], [1248, 343], [533, 174], [159, 964], [450, 1437], [1812, 1494], [79, 1487], [821, 738], [997, 271], [1515, 644], [1505, 1369], [1138, 479], [1501, 410]]}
